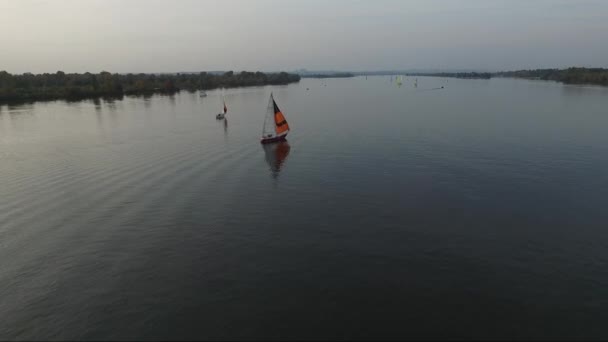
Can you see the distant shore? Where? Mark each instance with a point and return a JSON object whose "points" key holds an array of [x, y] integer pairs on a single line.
{"points": [[594, 76], [62, 86], [73, 86], [330, 75], [467, 75]]}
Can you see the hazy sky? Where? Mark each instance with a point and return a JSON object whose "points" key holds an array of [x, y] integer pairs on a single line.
{"points": [[193, 35]]}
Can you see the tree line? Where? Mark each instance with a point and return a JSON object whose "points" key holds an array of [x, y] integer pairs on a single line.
{"points": [[330, 75], [573, 75], [60, 85], [468, 75], [568, 76]]}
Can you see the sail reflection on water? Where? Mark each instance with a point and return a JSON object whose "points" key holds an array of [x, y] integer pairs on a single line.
{"points": [[276, 155]]}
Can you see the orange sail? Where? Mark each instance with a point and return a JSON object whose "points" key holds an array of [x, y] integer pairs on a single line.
{"points": [[225, 108], [279, 120]]}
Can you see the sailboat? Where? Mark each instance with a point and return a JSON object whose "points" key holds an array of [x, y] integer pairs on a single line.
{"points": [[223, 114], [275, 125], [399, 83]]}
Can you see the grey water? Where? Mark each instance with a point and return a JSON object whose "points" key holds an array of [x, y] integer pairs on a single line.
{"points": [[476, 211]]}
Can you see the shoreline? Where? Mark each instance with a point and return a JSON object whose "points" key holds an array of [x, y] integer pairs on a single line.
{"points": [[29, 88], [570, 76]]}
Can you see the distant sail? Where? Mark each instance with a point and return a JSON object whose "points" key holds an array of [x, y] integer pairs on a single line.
{"points": [[222, 115]]}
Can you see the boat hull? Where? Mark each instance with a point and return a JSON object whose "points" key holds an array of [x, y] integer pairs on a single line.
{"points": [[273, 139]]}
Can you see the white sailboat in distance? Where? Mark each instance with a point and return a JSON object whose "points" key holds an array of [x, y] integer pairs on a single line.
{"points": [[223, 114]]}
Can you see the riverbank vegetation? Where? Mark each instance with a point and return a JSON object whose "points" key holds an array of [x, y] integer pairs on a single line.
{"points": [[468, 75], [598, 76], [567, 76], [330, 75], [60, 85]]}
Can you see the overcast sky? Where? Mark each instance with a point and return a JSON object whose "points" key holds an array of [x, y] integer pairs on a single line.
{"points": [[194, 35]]}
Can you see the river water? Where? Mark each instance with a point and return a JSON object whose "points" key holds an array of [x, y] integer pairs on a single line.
{"points": [[474, 211]]}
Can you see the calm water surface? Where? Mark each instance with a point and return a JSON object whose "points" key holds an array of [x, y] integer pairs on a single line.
{"points": [[475, 211]]}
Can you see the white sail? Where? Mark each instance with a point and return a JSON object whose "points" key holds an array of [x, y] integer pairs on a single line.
{"points": [[269, 129]]}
